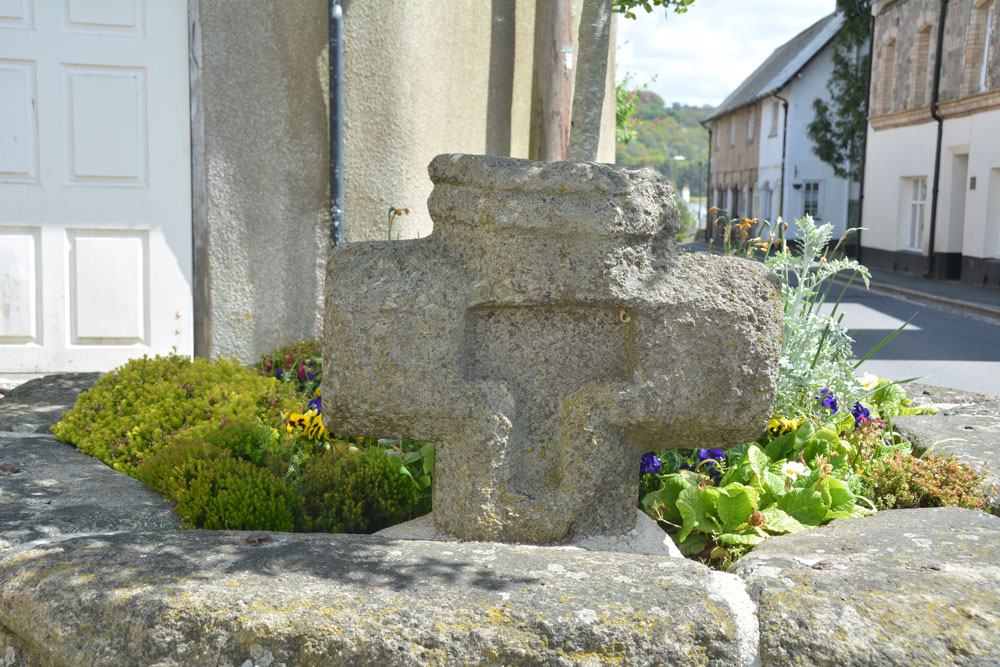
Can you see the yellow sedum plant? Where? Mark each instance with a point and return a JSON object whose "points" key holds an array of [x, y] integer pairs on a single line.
{"points": [[131, 412]]}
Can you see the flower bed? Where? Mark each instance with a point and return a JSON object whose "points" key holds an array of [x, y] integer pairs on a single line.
{"points": [[243, 450]]}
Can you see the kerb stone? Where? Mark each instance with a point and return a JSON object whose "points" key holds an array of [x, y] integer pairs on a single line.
{"points": [[545, 336]]}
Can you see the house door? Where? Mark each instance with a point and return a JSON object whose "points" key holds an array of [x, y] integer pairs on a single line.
{"points": [[95, 190]]}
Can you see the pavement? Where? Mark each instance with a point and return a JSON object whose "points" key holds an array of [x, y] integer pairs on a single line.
{"points": [[950, 293]]}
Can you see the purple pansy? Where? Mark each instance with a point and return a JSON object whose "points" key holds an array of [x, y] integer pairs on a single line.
{"points": [[860, 414], [650, 464], [827, 398]]}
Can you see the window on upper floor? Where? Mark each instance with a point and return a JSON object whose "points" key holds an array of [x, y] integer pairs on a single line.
{"points": [[774, 120], [977, 43], [732, 130], [751, 119], [984, 70], [717, 127], [887, 71], [810, 198], [919, 72]]}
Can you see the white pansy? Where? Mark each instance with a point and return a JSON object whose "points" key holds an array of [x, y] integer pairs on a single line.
{"points": [[792, 469]]}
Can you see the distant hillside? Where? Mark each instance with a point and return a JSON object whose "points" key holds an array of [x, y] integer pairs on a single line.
{"points": [[665, 132]]}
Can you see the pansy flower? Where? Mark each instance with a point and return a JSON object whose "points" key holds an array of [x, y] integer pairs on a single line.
{"points": [[860, 413], [827, 399], [650, 464]]}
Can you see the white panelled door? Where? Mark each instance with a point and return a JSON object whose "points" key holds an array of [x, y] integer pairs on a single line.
{"points": [[95, 183]]}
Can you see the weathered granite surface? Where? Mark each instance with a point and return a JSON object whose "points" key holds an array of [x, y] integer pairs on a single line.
{"points": [[49, 489], [545, 336], [36, 405], [904, 587], [909, 587], [205, 597]]}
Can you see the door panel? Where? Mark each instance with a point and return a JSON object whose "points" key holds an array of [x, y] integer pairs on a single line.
{"points": [[95, 196]]}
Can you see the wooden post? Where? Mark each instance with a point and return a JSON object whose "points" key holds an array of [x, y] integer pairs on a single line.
{"points": [[552, 83]]}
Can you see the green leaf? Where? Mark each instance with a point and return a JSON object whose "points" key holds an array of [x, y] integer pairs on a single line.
{"points": [[735, 505], [779, 448], [778, 522], [773, 485], [695, 543], [749, 539], [662, 503], [698, 508], [804, 505], [429, 463], [841, 498]]}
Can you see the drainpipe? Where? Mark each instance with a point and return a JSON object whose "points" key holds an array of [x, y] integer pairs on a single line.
{"points": [[708, 183], [336, 44], [864, 137], [784, 145], [940, 128]]}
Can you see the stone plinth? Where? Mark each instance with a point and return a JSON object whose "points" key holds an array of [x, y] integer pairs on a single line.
{"points": [[545, 336]]}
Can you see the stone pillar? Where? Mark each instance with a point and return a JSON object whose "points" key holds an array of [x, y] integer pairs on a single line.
{"points": [[545, 336]]}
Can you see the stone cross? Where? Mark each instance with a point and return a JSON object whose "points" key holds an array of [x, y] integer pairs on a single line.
{"points": [[544, 336]]}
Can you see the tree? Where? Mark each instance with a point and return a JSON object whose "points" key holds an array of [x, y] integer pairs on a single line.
{"points": [[838, 128], [592, 67]]}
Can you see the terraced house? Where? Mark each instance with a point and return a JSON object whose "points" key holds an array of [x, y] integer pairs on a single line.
{"points": [[932, 174], [762, 162]]}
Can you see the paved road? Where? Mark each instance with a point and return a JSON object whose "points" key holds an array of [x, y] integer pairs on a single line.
{"points": [[947, 347]]}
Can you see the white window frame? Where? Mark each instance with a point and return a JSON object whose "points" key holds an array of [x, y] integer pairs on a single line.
{"points": [[917, 212], [750, 124], [808, 186], [774, 120], [732, 130]]}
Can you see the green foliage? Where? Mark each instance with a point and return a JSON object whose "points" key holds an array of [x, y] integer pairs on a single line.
{"points": [[275, 449], [650, 134], [796, 481], [904, 481], [300, 364], [838, 128], [816, 351], [626, 7], [134, 410], [216, 491], [626, 102], [358, 492]]}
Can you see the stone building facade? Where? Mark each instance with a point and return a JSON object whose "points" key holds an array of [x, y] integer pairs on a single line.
{"points": [[932, 174]]}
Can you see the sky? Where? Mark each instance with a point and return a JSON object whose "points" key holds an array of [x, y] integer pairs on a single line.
{"points": [[701, 56]]}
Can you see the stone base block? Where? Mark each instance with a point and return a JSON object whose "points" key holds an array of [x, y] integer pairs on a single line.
{"points": [[646, 538], [904, 587], [219, 598]]}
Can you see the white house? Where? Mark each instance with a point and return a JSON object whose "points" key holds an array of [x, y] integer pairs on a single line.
{"points": [[932, 174]]}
